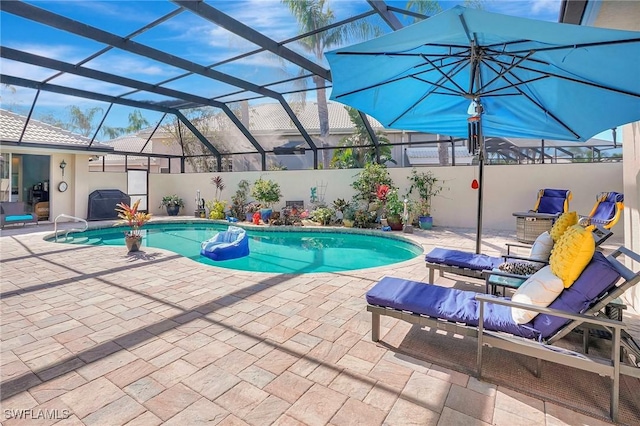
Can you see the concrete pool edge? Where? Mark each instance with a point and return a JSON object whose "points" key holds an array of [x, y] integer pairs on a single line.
{"points": [[416, 247], [245, 225]]}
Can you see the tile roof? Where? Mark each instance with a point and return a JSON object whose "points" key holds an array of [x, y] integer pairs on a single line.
{"points": [[131, 143], [272, 117], [432, 152], [38, 132]]}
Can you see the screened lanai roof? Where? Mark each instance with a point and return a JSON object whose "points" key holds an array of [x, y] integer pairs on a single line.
{"points": [[142, 64]]}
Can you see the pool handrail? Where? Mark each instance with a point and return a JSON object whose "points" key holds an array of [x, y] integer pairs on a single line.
{"points": [[77, 219]]}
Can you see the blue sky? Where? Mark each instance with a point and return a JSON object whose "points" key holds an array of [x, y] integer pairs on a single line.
{"points": [[186, 35]]}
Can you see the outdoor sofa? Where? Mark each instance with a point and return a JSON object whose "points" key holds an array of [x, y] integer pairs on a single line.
{"points": [[14, 213]]}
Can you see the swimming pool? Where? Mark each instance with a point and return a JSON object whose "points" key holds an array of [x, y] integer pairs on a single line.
{"points": [[271, 249]]}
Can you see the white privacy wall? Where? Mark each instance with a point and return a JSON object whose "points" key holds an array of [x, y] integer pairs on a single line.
{"points": [[508, 189]]}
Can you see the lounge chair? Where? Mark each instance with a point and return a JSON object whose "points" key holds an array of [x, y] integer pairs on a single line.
{"points": [[490, 319], [14, 213], [550, 204], [606, 211], [474, 265]]}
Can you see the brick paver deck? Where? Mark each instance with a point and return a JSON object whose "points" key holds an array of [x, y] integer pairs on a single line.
{"points": [[97, 336]]}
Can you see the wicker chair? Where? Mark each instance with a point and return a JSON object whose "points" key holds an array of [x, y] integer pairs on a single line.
{"points": [[550, 204]]}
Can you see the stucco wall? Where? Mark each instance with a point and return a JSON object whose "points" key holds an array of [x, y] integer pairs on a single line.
{"points": [[631, 179], [624, 15], [507, 189]]}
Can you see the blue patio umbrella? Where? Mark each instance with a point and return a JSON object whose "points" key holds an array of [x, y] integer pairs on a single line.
{"points": [[471, 73]]}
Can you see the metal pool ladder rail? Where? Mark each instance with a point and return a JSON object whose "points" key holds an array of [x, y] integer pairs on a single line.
{"points": [[77, 219]]}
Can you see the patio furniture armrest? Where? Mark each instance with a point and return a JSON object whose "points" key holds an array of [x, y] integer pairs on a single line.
{"points": [[524, 259], [510, 245], [589, 319]]}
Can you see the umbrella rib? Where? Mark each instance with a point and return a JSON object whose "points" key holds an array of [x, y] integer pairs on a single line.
{"points": [[438, 84], [378, 53], [581, 45], [512, 66], [423, 97], [373, 86], [512, 85], [536, 103], [575, 80], [443, 74]]}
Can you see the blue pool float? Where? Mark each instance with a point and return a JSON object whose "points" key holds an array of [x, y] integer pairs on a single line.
{"points": [[226, 245]]}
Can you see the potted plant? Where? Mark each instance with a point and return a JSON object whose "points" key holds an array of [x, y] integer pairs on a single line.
{"points": [[393, 209], [322, 215], [250, 209], [172, 203], [348, 216], [340, 205], [268, 193], [368, 181], [216, 209], [426, 185], [135, 220], [239, 199]]}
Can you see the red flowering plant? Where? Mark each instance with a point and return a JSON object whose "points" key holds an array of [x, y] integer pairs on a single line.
{"points": [[133, 218], [382, 191]]}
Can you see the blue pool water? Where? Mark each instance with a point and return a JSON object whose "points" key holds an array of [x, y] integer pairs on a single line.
{"points": [[293, 252]]}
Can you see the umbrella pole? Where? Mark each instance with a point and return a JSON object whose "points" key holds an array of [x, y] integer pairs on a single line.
{"points": [[480, 191]]}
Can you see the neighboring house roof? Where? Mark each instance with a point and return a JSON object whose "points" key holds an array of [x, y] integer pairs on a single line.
{"points": [[42, 134], [429, 155], [131, 143], [548, 143], [119, 159], [272, 117]]}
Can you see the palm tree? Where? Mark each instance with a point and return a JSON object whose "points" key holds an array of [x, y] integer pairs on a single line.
{"points": [[354, 152], [431, 7], [312, 15], [136, 123]]}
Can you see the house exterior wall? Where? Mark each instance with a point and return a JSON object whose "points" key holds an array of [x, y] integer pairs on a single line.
{"points": [[624, 15], [631, 184]]}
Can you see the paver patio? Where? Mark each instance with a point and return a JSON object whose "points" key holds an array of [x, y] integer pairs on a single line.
{"points": [[97, 336]]}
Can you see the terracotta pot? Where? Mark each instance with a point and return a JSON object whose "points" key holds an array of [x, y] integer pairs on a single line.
{"points": [[133, 243], [395, 222]]}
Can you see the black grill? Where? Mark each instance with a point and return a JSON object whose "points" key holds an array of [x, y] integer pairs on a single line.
{"points": [[102, 203]]}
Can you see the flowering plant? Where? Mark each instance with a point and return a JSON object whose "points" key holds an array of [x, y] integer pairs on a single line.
{"points": [[133, 218], [381, 192]]}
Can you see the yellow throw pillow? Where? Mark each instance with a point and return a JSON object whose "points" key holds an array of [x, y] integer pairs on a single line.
{"points": [[572, 253], [562, 223]]}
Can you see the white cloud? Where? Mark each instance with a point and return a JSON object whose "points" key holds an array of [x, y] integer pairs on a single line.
{"points": [[130, 66], [62, 52], [540, 7], [547, 10]]}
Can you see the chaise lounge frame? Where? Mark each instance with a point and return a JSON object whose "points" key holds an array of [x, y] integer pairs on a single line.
{"points": [[592, 318], [599, 233]]}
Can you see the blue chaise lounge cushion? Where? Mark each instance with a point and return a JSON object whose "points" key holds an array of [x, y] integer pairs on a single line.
{"points": [[445, 303], [463, 259], [597, 278], [18, 218]]}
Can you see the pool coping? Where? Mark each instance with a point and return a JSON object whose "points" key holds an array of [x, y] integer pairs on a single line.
{"points": [[264, 228], [49, 238]]}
